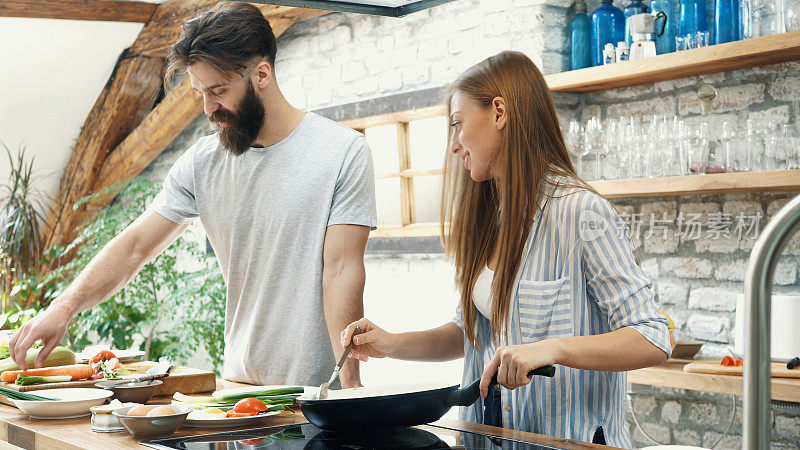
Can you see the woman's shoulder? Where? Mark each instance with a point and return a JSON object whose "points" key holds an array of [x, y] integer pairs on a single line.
{"points": [[570, 196]]}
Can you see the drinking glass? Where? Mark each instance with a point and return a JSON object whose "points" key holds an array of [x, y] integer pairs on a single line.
{"points": [[680, 43], [729, 146], [792, 147], [754, 142], [697, 138], [702, 39], [575, 145], [593, 140]]}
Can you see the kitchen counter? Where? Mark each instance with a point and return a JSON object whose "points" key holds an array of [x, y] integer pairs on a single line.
{"points": [[17, 429], [672, 375]]}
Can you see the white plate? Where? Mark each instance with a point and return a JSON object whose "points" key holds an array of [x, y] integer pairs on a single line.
{"points": [[72, 402], [226, 422], [123, 355]]}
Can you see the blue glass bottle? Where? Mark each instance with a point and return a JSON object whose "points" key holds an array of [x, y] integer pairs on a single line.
{"points": [[633, 8], [666, 42], [608, 26], [580, 30], [693, 17], [726, 21]]}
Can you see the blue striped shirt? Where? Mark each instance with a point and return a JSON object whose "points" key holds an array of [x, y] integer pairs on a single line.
{"points": [[578, 278]]}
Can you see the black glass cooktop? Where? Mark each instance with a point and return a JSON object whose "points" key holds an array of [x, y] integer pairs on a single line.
{"points": [[307, 436]]}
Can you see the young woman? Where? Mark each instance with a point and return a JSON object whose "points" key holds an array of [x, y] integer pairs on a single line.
{"points": [[544, 266]]}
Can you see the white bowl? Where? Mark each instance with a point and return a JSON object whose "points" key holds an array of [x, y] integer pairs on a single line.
{"points": [[72, 402]]}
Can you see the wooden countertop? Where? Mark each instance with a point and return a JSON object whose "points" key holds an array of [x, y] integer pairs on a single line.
{"points": [[68, 434], [672, 375]]}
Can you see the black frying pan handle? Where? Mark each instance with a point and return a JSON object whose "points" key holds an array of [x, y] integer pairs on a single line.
{"points": [[468, 395]]}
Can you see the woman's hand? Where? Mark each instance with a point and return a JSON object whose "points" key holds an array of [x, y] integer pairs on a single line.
{"points": [[512, 363], [372, 342]]}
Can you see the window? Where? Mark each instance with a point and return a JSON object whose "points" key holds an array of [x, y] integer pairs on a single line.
{"points": [[408, 157]]}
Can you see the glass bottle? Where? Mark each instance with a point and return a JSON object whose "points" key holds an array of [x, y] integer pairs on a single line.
{"points": [[726, 21], [608, 26], [633, 8], [580, 30], [693, 17], [666, 42]]}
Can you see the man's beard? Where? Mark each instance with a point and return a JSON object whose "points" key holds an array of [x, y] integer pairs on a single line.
{"points": [[242, 127]]}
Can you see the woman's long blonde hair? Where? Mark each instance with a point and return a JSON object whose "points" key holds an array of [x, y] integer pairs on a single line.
{"points": [[532, 146]]}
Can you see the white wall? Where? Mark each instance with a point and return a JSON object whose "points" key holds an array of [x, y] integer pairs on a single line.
{"points": [[51, 73]]}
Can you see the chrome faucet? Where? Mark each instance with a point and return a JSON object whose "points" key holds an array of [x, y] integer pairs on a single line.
{"points": [[758, 299]]}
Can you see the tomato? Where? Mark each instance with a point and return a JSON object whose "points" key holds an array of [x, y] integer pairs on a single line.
{"points": [[249, 404], [251, 441], [104, 355], [233, 413], [738, 362], [727, 361]]}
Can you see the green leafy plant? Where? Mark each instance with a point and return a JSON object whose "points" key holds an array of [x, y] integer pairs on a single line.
{"points": [[20, 242], [165, 309]]}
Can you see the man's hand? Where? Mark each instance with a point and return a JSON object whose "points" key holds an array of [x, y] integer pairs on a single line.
{"points": [[49, 325], [105, 275]]}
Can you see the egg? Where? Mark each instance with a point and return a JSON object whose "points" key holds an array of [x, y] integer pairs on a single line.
{"points": [[160, 411], [140, 410], [208, 414]]}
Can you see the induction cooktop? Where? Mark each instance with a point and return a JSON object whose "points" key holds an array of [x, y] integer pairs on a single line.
{"points": [[307, 436]]}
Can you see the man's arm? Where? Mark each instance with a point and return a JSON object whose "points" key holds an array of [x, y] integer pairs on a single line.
{"points": [[343, 288], [105, 275]]}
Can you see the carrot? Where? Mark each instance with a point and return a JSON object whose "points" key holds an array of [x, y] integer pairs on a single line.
{"points": [[76, 371]]}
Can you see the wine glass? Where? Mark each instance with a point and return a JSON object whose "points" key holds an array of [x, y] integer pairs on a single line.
{"points": [[576, 146]]}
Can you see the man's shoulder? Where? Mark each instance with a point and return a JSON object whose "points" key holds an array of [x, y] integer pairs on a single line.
{"points": [[334, 132]]}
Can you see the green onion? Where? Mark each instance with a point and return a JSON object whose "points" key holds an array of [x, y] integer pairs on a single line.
{"points": [[24, 380], [16, 395], [257, 394]]}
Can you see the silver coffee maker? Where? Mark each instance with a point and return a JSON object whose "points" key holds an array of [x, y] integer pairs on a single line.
{"points": [[643, 33]]}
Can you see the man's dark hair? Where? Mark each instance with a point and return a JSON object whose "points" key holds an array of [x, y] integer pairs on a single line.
{"points": [[228, 37]]}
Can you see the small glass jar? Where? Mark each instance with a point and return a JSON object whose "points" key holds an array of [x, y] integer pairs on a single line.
{"points": [[103, 421]]}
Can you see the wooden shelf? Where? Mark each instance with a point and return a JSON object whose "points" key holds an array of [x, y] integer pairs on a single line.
{"points": [[672, 375], [411, 230], [689, 63], [721, 183]]}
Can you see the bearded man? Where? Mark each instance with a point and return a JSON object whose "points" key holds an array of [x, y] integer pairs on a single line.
{"points": [[286, 197]]}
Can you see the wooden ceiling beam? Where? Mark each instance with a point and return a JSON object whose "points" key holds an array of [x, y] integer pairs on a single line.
{"points": [[124, 101], [105, 10], [164, 30]]}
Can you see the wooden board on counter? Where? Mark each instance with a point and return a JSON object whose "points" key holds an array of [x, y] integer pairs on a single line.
{"points": [[672, 375], [779, 370], [185, 380]]}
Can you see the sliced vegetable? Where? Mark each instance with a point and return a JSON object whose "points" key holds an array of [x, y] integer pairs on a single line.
{"points": [[60, 356], [104, 355], [249, 404], [76, 371], [727, 361], [16, 395], [233, 413], [188, 399], [24, 380]]}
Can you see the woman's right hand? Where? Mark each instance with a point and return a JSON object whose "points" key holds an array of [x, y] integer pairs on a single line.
{"points": [[372, 342]]}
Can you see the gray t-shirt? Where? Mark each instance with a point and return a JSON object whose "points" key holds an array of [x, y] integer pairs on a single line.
{"points": [[266, 213]]}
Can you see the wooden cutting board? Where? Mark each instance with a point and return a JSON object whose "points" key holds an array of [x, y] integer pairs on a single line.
{"points": [[181, 379], [779, 370]]}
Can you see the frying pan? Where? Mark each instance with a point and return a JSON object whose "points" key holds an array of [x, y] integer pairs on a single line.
{"points": [[397, 410]]}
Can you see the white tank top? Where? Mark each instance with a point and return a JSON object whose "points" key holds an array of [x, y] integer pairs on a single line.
{"points": [[482, 292]]}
